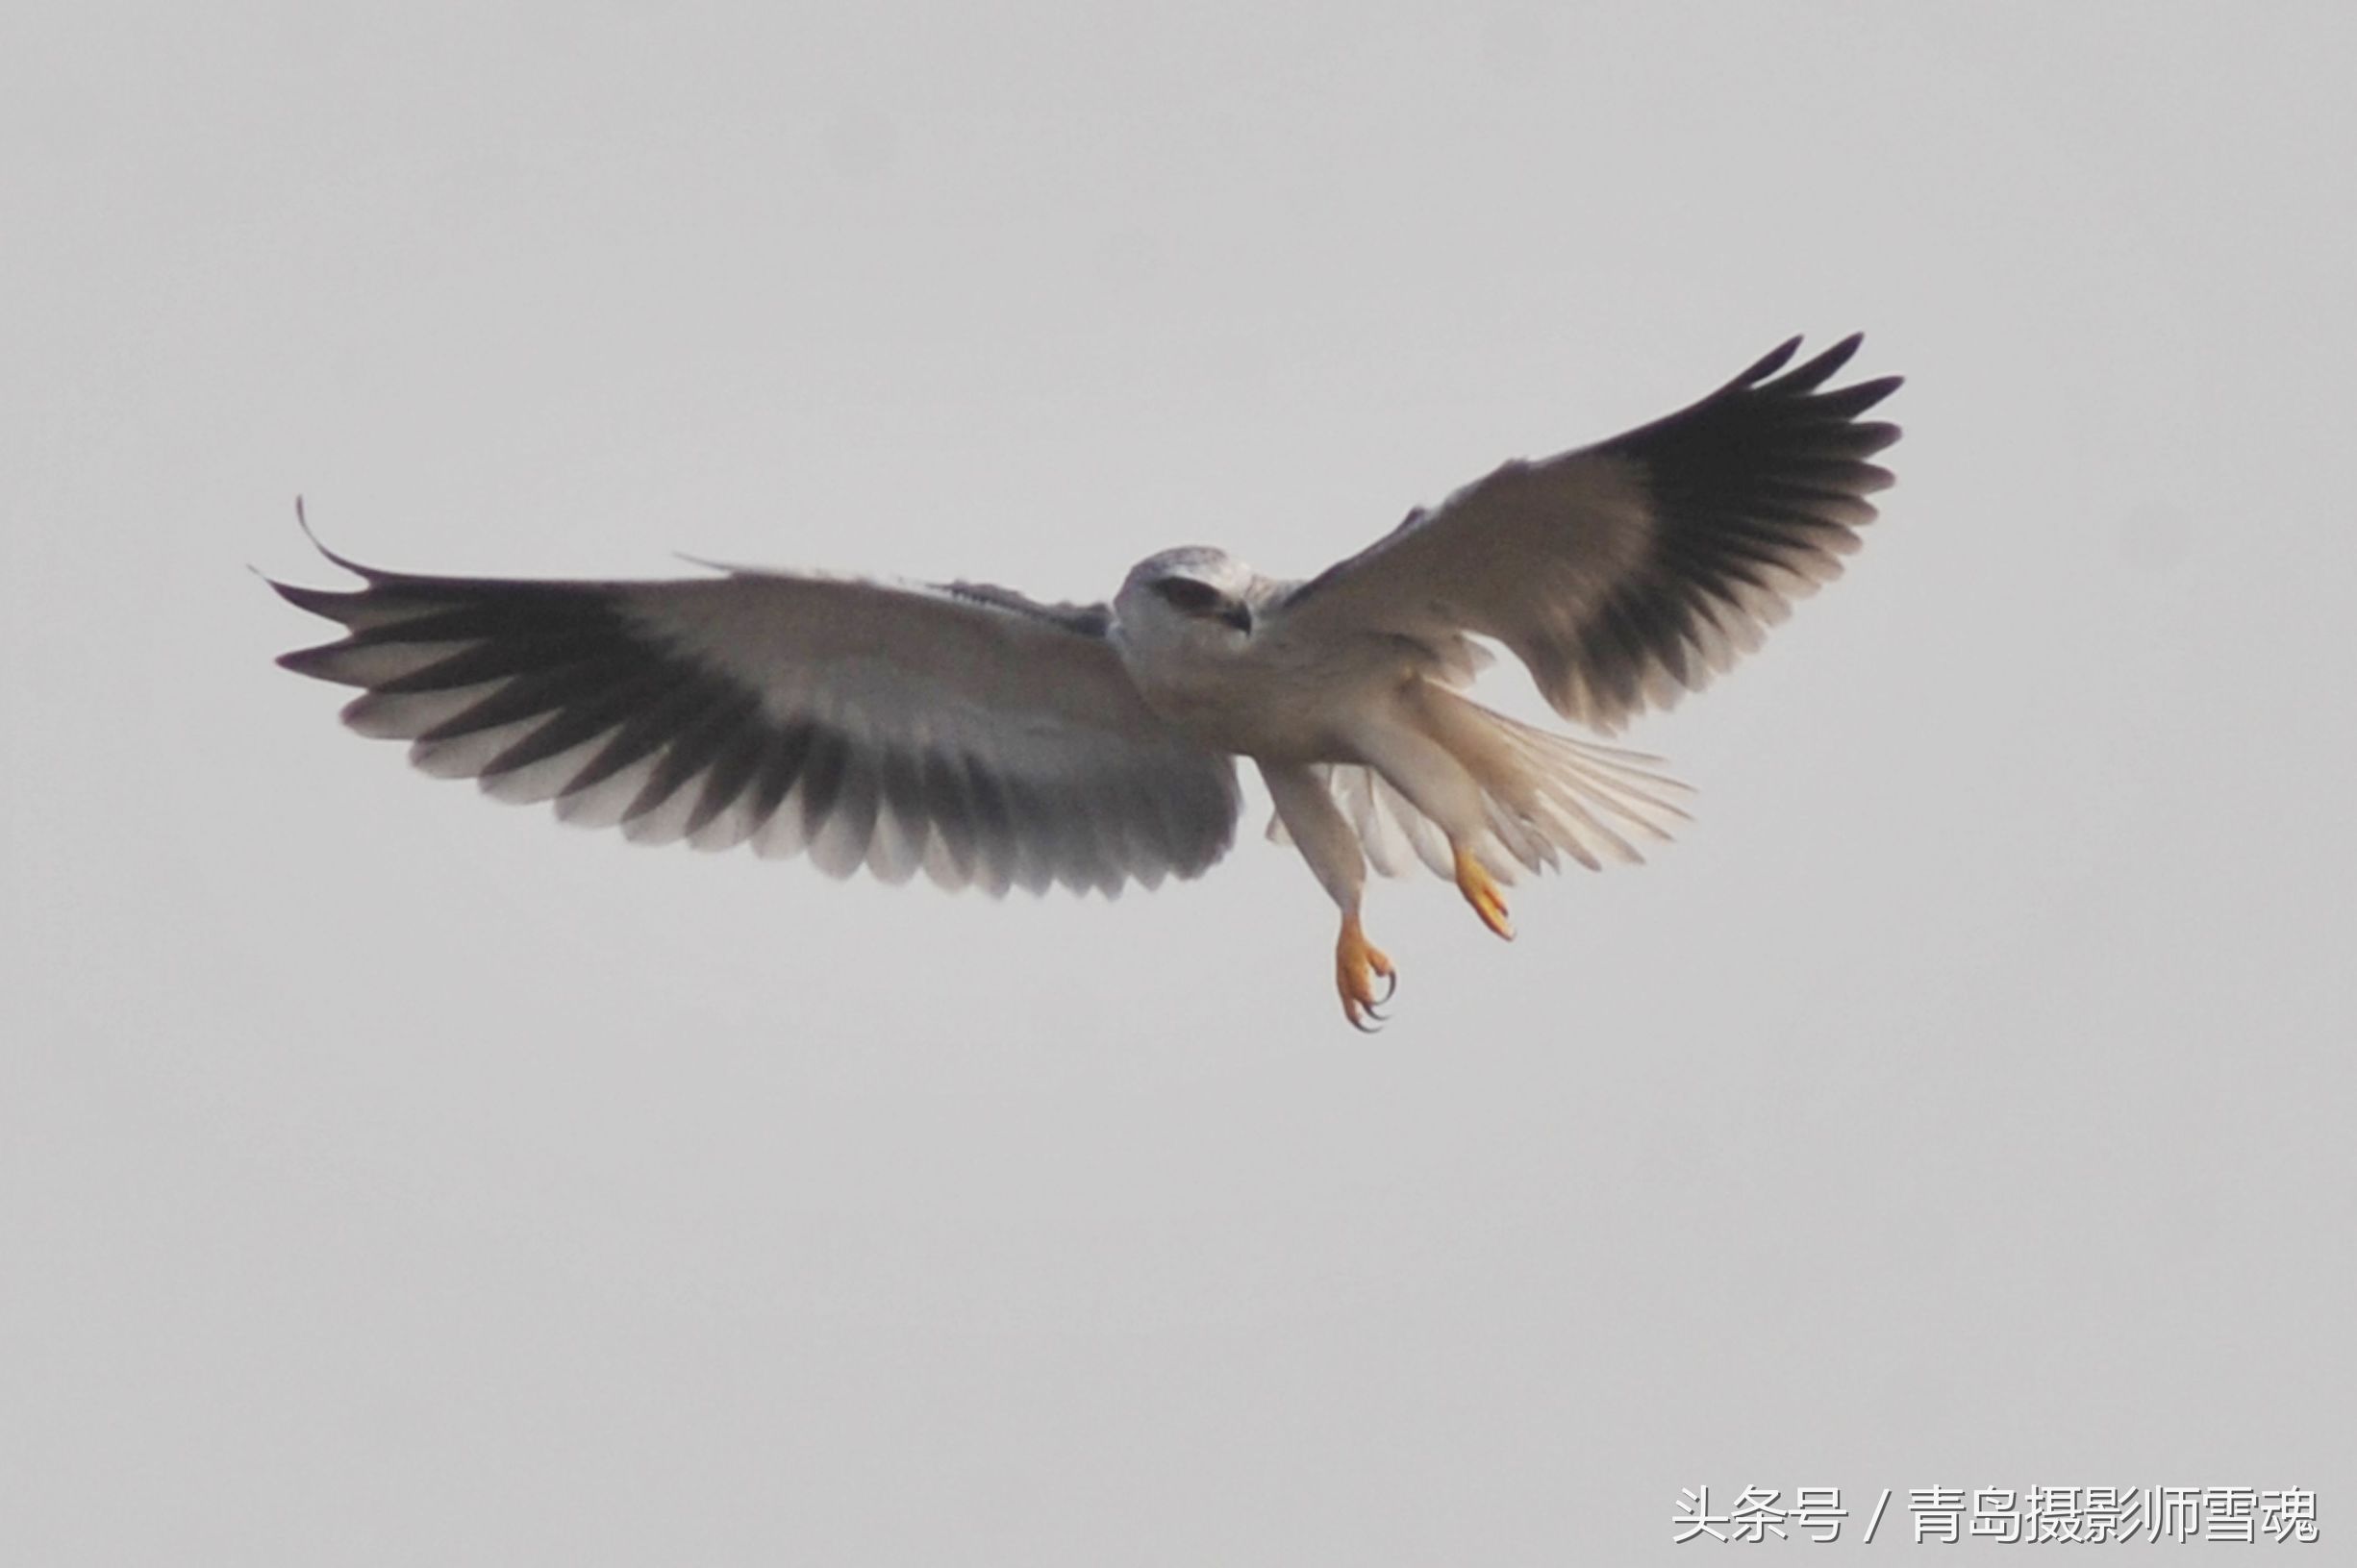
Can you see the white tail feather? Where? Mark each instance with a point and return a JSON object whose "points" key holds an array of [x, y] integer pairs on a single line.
{"points": [[1544, 797]]}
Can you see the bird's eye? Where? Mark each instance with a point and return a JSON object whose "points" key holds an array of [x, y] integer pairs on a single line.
{"points": [[1185, 594]]}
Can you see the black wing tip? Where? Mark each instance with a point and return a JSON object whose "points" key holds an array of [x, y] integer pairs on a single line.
{"points": [[1767, 364], [1809, 373], [337, 605], [1820, 368], [1840, 353], [320, 664], [1805, 380], [329, 604], [1867, 393], [370, 574]]}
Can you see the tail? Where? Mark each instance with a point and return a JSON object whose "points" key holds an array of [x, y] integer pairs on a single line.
{"points": [[1545, 796]]}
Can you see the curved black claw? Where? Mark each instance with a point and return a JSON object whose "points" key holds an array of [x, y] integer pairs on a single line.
{"points": [[1390, 989], [1362, 1026]]}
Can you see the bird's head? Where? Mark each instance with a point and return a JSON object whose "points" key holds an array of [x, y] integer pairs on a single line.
{"points": [[1194, 596]]}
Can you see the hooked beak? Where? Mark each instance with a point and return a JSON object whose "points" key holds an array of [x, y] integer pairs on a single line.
{"points": [[1238, 616]]}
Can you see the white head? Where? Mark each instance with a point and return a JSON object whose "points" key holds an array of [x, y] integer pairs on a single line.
{"points": [[1194, 597]]}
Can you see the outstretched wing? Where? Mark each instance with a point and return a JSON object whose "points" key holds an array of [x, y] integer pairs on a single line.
{"points": [[1629, 572], [969, 731]]}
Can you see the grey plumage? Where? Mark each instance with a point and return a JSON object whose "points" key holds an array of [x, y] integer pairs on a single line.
{"points": [[822, 726]]}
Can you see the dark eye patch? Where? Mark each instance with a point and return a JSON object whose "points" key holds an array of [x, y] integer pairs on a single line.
{"points": [[1185, 594]]}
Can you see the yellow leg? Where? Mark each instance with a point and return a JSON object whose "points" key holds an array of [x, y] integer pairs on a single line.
{"points": [[1481, 892], [1357, 962]]}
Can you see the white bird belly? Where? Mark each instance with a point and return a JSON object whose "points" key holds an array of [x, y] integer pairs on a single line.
{"points": [[1269, 702]]}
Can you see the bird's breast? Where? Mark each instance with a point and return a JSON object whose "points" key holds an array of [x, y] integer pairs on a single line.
{"points": [[1260, 702]]}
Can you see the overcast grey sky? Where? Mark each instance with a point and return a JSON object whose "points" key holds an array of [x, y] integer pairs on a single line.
{"points": [[387, 1176]]}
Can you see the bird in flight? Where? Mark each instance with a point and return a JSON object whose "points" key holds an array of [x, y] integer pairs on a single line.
{"points": [[991, 740]]}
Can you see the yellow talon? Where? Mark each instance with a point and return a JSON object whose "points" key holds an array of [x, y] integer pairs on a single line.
{"points": [[1474, 881], [1357, 962]]}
